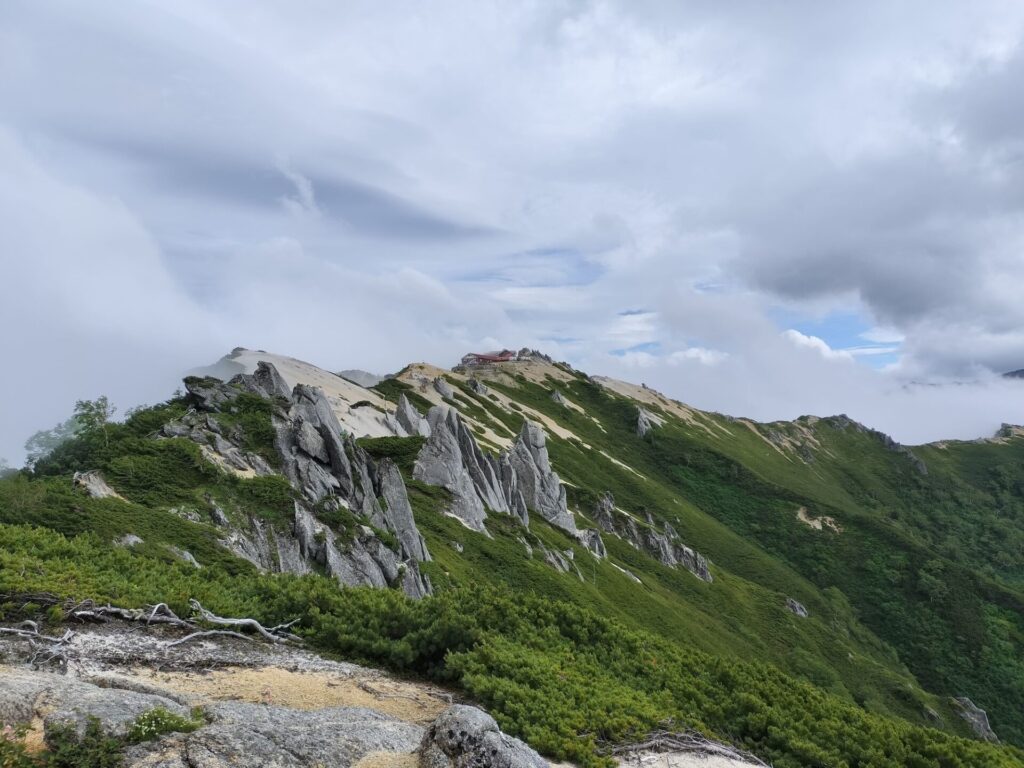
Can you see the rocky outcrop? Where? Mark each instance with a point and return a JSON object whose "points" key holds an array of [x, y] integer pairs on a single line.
{"points": [[71, 702], [329, 470], [221, 446], [664, 546], [591, 539], [255, 733], [477, 386], [797, 607], [244, 735], [512, 483], [644, 423], [467, 737], [976, 717], [92, 483], [477, 481], [537, 481], [444, 389], [410, 420], [397, 515], [559, 398], [184, 555]]}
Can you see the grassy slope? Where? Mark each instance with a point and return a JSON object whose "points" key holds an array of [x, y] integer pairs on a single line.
{"points": [[741, 614], [913, 558]]}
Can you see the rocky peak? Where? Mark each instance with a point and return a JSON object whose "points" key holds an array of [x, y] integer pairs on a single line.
{"points": [[539, 483]]}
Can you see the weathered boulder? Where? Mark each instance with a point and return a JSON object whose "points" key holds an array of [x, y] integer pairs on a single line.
{"points": [[604, 512], [444, 389], [797, 607], [537, 481], [184, 555], [559, 398], [976, 717], [477, 386], [467, 737], [92, 482]]}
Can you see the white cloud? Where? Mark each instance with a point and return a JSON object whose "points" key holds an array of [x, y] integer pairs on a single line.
{"points": [[186, 177], [818, 345], [700, 354]]}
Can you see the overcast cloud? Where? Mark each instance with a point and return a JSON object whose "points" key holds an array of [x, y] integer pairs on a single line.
{"points": [[761, 209]]}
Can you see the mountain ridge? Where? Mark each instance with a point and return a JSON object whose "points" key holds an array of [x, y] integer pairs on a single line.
{"points": [[815, 546]]}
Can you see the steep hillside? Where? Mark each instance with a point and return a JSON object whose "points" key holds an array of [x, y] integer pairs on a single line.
{"points": [[586, 557]]}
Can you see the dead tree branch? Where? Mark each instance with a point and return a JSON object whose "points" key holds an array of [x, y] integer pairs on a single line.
{"points": [[273, 635], [690, 742], [209, 633]]}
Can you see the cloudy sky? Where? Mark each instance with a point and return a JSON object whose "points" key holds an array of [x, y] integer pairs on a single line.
{"points": [[763, 209]]}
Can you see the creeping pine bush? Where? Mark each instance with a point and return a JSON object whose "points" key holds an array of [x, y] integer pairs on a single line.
{"points": [[65, 749]]}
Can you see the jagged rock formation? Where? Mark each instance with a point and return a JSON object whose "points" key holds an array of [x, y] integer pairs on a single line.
{"points": [[477, 481], [976, 718], [222, 449], [663, 546], [477, 386], [466, 737], [517, 480], [559, 398], [540, 485], [329, 469], [410, 420]]}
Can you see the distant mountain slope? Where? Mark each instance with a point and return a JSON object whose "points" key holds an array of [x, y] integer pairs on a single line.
{"points": [[888, 577]]}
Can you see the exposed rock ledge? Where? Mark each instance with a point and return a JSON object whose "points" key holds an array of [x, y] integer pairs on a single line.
{"points": [[270, 707]]}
